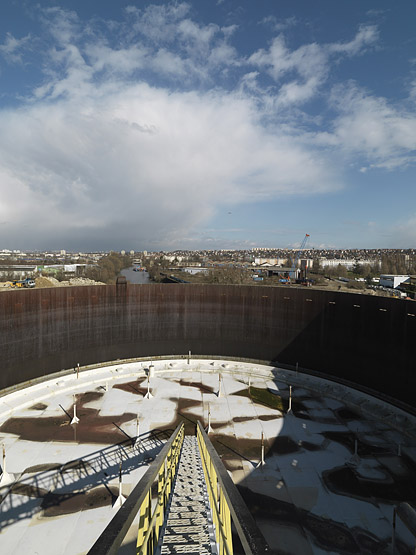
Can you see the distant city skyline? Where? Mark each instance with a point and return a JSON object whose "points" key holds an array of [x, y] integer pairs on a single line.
{"points": [[207, 125]]}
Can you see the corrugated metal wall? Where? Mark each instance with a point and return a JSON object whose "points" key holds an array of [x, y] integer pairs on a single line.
{"points": [[364, 339]]}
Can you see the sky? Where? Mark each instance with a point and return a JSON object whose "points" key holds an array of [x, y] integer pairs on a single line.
{"points": [[128, 124]]}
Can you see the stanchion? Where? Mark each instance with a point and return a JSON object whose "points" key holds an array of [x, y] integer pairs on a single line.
{"points": [[6, 478], [290, 400], [262, 461], [75, 419], [120, 499], [148, 394], [209, 429], [137, 431], [219, 385], [355, 459]]}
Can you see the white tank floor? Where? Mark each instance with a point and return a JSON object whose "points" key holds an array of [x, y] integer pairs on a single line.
{"points": [[307, 506]]}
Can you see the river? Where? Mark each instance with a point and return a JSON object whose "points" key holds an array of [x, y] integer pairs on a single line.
{"points": [[135, 277]]}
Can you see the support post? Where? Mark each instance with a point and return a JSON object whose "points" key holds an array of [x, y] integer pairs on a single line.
{"points": [[209, 429], [120, 499], [262, 461], [290, 400], [137, 431], [6, 477], [148, 394], [355, 459], [219, 385], [75, 419]]}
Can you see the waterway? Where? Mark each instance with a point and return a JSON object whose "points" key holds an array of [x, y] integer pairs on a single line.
{"points": [[135, 277]]}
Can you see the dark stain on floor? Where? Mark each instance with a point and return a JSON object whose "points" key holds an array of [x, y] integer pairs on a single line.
{"points": [[248, 449], [42, 467], [56, 504], [345, 480], [133, 387], [263, 418], [20, 488], [39, 406], [198, 385], [92, 427], [347, 439], [283, 445], [326, 533], [310, 446], [348, 414], [184, 414]]}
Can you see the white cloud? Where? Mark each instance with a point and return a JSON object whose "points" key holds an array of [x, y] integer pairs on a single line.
{"points": [[131, 134], [310, 64], [367, 35], [382, 134], [11, 49], [159, 161]]}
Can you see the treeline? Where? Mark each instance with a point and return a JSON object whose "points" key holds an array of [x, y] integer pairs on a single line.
{"points": [[228, 275], [108, 267]]}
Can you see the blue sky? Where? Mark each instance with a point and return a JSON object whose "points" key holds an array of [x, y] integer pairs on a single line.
{"points": [[160, 126]]}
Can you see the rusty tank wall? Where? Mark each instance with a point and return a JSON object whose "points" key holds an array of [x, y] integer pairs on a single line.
{"points": [[364, 339]]}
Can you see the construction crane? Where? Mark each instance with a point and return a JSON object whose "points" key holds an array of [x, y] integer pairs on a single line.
{"points": [[297, 256]]}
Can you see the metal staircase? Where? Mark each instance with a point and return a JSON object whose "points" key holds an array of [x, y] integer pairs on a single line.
{"points": [[185, 503], [188, 526]]}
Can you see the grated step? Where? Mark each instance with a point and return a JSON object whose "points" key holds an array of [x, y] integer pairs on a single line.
{"points": [[188, 525]]}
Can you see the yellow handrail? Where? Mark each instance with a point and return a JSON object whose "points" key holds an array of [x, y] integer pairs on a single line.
{"points": [[150, 523], [218, 503]]}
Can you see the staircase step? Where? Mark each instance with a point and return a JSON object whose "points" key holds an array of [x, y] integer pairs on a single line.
{"points": [[188, 525]]}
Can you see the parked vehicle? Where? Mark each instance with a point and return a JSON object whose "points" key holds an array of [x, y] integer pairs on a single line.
{"points": [[28, 282]]}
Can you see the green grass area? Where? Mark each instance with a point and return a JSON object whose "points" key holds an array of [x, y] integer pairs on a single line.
{"points": [[264, 397]]}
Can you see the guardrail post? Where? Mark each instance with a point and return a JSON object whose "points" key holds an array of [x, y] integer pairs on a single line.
{"points": [[139, 503], [6, 478], [209, 429], [262, 461], [137, 442], [227, 504], [120, 499], [148, 394], [75, 419]]}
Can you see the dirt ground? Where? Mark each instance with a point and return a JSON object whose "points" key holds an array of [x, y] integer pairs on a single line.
{"points": [[42, 282]]}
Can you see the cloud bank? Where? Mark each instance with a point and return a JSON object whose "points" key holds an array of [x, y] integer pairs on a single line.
{"points": [[140, 130]]}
